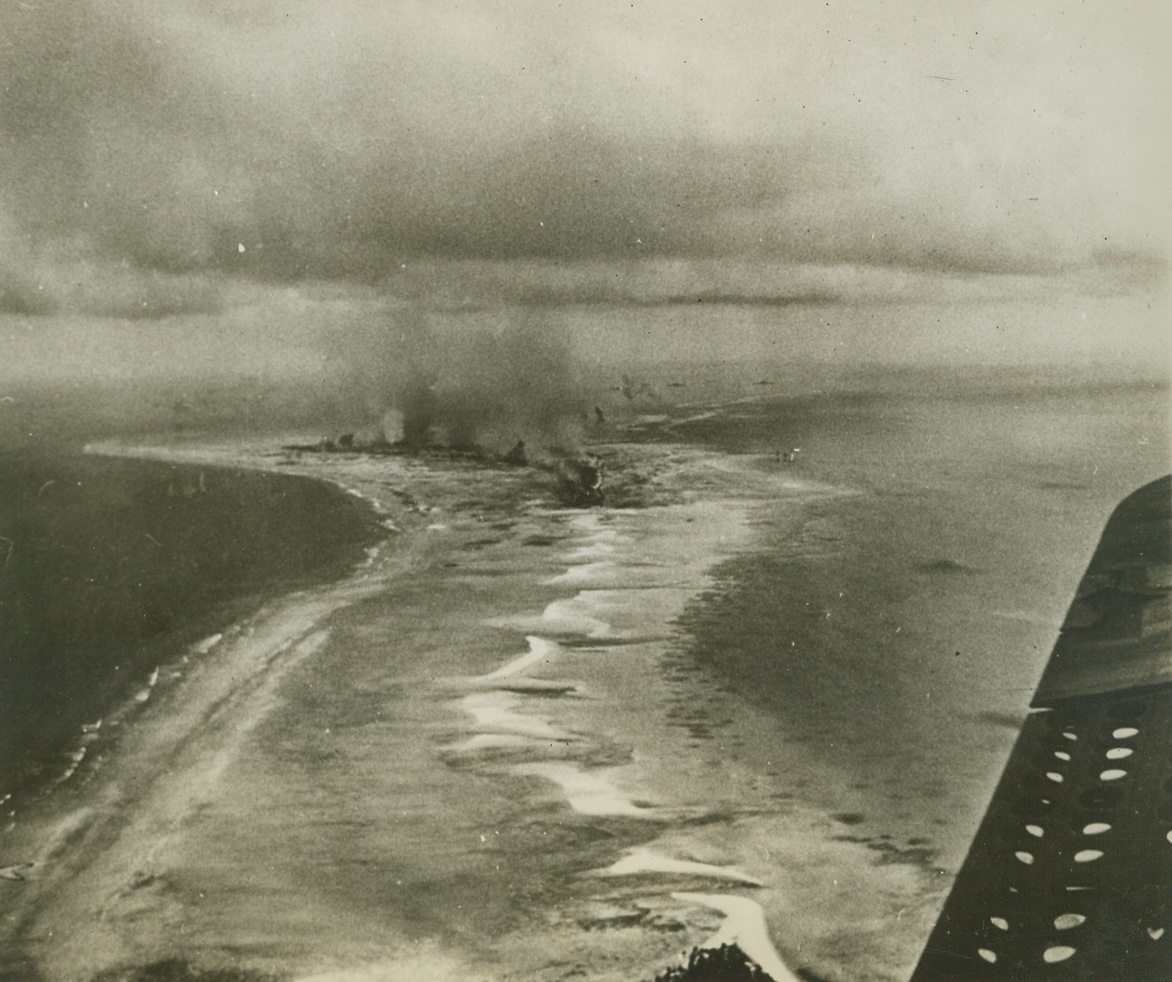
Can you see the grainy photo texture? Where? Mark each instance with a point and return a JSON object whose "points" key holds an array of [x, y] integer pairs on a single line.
{"points": [[621, 492]]}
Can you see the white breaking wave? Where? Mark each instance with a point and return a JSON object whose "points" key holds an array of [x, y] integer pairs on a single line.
{"points": [[744, 926], [645, 861], [587, 793], [539, 649], [493, 710]]}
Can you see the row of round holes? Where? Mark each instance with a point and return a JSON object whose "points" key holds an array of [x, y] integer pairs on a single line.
{"points": [[1115, 753], [1118, 753], [1064, 922], [1055, 953], [1094, 828], [1082, 856], [1119, 733], [1059, 953]]}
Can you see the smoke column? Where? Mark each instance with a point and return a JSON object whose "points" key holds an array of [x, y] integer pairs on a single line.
{"points": [[462, 386]]}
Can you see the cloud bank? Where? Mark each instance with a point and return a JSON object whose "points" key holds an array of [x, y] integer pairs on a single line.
{"points": [[184, 141]]}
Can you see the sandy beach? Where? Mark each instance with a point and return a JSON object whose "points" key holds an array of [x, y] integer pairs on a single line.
{"points": [[534, 492], [525, 741], [436, 736]]}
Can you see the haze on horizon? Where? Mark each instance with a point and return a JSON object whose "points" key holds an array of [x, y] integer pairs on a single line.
{"points": [[253, 187]]}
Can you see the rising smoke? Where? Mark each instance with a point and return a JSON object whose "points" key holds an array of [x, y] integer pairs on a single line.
{"points": [[462, 387]]}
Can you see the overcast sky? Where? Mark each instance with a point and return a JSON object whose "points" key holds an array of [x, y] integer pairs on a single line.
{"points": [[165, 157]]}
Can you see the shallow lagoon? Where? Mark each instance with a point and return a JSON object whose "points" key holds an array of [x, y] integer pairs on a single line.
{"points": [[535, 742]]}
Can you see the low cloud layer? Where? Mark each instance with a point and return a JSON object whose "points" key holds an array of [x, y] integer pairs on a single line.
{"points": [[345, 140]]}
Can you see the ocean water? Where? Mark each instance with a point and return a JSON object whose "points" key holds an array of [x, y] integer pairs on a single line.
{"points": [[111, 565], [746, 699], [905, 622]]}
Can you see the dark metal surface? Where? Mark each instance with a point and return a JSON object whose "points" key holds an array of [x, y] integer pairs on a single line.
{"points": [[1073, 861], [1118, 632], [1070, 874]]}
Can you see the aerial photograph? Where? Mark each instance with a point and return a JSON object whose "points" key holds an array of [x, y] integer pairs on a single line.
{"points": [[531, 491]]}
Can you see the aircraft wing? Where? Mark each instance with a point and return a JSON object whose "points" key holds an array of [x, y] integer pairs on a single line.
{"points": [[1070, 874]]}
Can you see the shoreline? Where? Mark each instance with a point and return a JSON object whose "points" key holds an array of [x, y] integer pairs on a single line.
{"points": [[117, 562], [373, 822], [177, 769], [506, 707], [126, 766]]}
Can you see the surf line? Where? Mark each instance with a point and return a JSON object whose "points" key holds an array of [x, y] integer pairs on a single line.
{"points": [[744, 925], [639, 860], [493, 697], [539, 649], [586, 792]]}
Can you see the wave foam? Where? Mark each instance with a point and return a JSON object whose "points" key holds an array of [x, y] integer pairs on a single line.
{"points": [[744, 926]]}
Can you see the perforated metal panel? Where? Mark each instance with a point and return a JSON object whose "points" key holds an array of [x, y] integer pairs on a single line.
{"points": [[1070, 874]]}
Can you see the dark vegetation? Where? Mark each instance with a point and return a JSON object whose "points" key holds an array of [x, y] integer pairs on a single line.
{"points": [[724, 964]]}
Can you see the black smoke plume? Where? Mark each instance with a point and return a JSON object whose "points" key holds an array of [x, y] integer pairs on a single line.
{"points": [[464, 387]]}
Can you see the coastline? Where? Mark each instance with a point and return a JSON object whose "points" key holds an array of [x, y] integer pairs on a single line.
{"points": [[114, 563], [108, 855], [549, 732]]}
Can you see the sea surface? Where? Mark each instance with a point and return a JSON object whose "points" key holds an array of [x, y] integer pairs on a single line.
{"points": [[749, 698], [110, 565]]}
